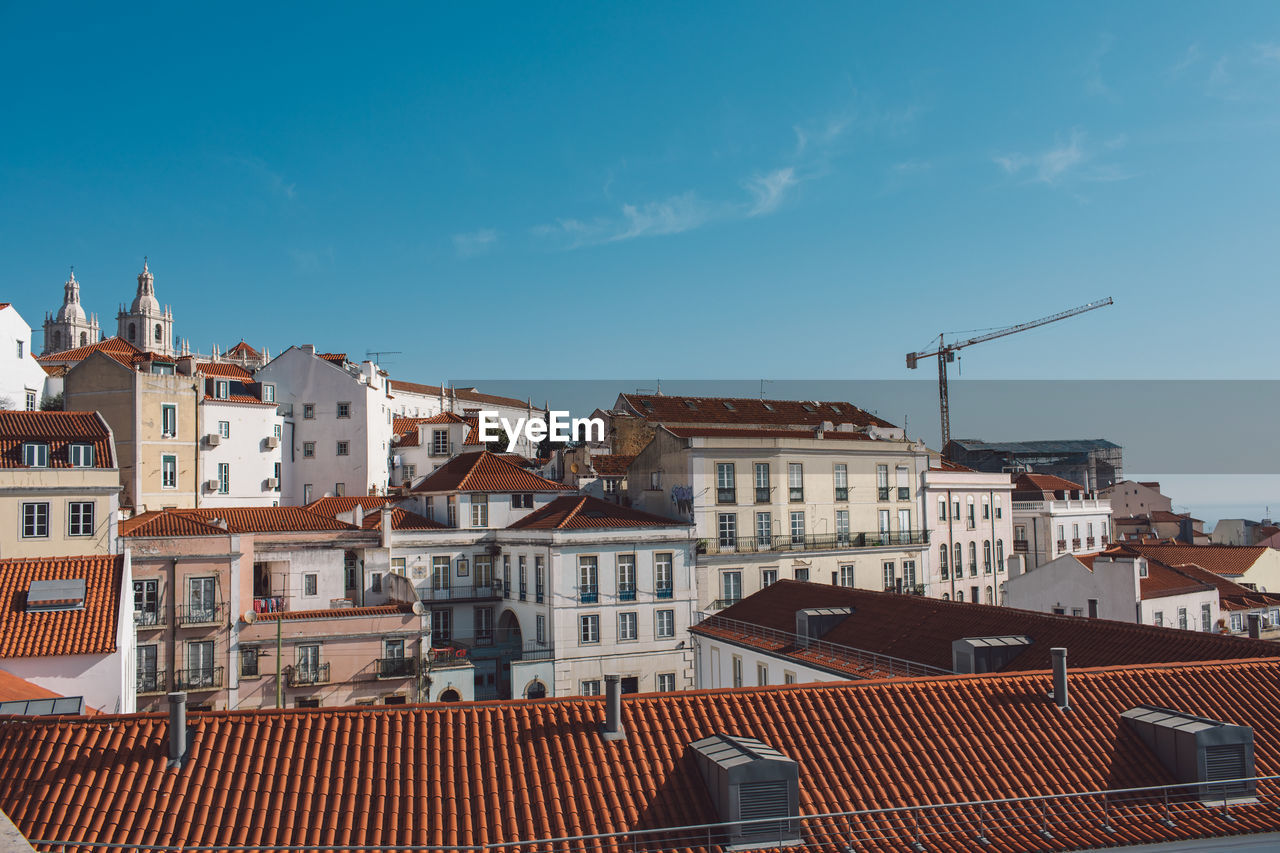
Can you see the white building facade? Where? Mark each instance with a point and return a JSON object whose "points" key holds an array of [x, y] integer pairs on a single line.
{"points": [[970, 520], [240, 439], [22, 379], [1052, 517]]}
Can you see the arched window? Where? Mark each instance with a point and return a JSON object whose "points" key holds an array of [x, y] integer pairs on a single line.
{"points": [[958, 564], [986, 556], [990, 596], [157, 333], [973, 558], [942, 560], [959, 595], [535, 690], [450, 695], [999, 555], [133, 332], [84, 338], [946, 596]]}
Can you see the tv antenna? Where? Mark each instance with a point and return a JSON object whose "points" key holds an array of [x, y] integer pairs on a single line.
{"points": [[376, 354]]}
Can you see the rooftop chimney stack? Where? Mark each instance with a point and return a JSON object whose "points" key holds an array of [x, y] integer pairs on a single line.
{"points": [[613, 708], [178, 741], [1255, 626], [1059, 657]]}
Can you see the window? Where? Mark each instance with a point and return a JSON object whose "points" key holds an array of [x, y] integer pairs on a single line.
{"points": [[20, 349], [202, 599], [168, 420], [627, 625], [146, 602], [737, 670], [522, 501], [882, 517], [248, 661], [986, 556], [484, 624], [768, 577], [224, 429], [309, 584], [308, 411], [842, 527], [344, 410], [788, 677], [200, 669], [795, 481], [591, 687], [133, 331], [339, 489], [626, 577], [971, 520], [1206, 617], [506, 575], [960, 597], [588, 629], [224, 478], [973, 559], [1237, 622], [802, 574], [440, 442], [344, 448], [999, 512], [904, 524], [846, 575], [306, 493], [842, 482], [730, 587], [764, 528], [80, 455], [942, 509], [957, 567], [451, 511], [666, 682], [797, 528], [441, 627], [588, 579], [539, 580], [35, 455], [35, 520], [440, 573], [308, 449], [221, 389], [762, 482], [541, 628], [666, 624], [655, 479], [904, 483], [479, 510], [662, 575], [728, 526], [986, 509], [408, 472], [1182, 618], [398, 566], [942, 561], [999, 555], [157, 334], [726, 488], [882, 482], [268, 393], [484, 570], [909, 575], [169, 472], [80, 518], [890, 575], [524, 577]]}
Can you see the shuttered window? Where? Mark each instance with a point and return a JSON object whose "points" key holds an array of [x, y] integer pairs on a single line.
{"points": [[763, 800]]}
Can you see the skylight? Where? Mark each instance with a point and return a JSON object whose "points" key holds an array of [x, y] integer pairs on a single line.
{"points": [[65, 594]]}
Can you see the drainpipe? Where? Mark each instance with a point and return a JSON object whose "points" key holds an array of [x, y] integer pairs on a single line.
{"points": [[196, 388]]}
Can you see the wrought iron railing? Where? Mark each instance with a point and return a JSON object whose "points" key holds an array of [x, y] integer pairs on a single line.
{"points": [[202, 614], [588, 595], [493, 589], [664, 592], [307, 675], [149, 618], [400, 667], [627, 592], [198, 678], [812, 542], [151, 681]]}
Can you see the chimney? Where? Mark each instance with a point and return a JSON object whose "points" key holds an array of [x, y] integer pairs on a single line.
{"points": [[613, 708], [309, 349], [386, 525], [178, 738], [357, 515], [1255, 626], [1059, 657]]}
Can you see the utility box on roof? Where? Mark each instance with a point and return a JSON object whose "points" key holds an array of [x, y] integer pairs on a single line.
{"points": [[1198, 749], [748, 780], [985, 654], [813, 622]]}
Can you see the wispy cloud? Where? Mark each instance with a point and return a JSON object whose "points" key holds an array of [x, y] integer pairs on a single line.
{"points": [[1189, 58], [1267, 54], [673, 215], [1064, 162], [1094, 83], [474, 243], [769, 189]]}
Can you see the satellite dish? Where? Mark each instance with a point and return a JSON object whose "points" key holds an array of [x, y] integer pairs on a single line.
{"points": [[418, 608], [249, 617]]}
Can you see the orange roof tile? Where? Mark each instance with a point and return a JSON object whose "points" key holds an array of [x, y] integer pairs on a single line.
{"points": [[116, 347], [482, 471], [57, 429], [159, 524], [90, 630], [12, 687], [746, 411], [919, 629], [338, 358], [611, 464], [258, 519], [222, 368], [1031, 483], [583, 512], [335, 613], [457, 775], [466, 395], [401, 519], [243, 350], [1227, 560], [790, 434]]}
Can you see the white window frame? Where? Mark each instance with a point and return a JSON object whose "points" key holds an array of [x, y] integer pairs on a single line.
{"points": [[664, 624], [168, 466], [35, 519], [479, 510], [628, 626], [35, 454], [589, 629], [80, 518], [224, 429], [168, 420], [80, 455], [224, 478]]}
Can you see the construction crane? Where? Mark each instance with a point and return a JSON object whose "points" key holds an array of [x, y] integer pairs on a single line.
{"points": [[946, 352]]}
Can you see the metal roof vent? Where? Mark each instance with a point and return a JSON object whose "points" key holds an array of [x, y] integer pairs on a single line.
{"points": [[813, 622], [1197, 749], [986, 654], [751, 782], [66, 594]]}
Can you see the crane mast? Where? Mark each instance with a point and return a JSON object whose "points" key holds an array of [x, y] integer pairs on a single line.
{"points": [[946, 352]]}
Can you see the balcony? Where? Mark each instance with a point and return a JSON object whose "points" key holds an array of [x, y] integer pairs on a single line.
{"points": [[589, 595], [1075, 544], [824, 542], [456, 650], [882, 493], [904, 493], [524, 590], [539, 596], [1088, 542], [722, 603], [151, 681], [190, 615], [1062, 544], [1021, 546], [797, 494], [492, 589], [200, 678], [762, 494], [842, 493], [396, 667], [145, 619], [664, 593], [306, 676], [269, 604], [726, 496], [627, 592]]}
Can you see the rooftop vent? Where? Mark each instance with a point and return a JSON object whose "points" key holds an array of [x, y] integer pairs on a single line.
{"points": [[1197, 749], [66, 594], [986, 654], [812, 623], [756, 789]]}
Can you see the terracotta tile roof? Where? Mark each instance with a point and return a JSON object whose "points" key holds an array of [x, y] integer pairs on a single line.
{"points": [[733, 432], [457, 775], [920, 629], [57, 429], [1086, 560], [401, 519], [466, 395], [583, 512], [338, 358], [746, 411], [1165, 515], [1163, 581], [88, 631], [335, 613], [116, 347], [611, 464], [222, 368], [237, 399], [12, 687], [1227, 560], [4, 305], [1039, 483], [945, 464], [333, 507], [243, 350], [258, 519], [482, 471], [473, 434]]}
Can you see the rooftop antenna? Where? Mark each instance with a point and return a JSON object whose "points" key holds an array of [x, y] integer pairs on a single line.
{"points": [[376, 354], [763, 382]]}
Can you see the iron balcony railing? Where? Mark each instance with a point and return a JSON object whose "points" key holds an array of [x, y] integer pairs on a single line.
{"points": [[455, 649], [149, 618], [904, 493], [397, 667], [306, 675], [727, 496], [722, 603], [493, 589], [842, 493], [202, 614], [797, 493], [762, 494], [199, 678], [814, 542], [627, 592], [151, 681], [588, 595], [882, 493], [664, 592]]}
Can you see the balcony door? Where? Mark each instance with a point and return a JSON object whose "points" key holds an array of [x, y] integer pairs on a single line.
{"points": [[147, 669], [200, 664], [146, 602], [308, 664], [730, 587], [202, 599]]}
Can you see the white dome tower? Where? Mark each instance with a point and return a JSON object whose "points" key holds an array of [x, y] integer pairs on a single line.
{"points": [[70, 327], [146, 325]]}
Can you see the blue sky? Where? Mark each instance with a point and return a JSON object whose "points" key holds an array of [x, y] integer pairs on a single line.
{"points": [[722, 190]]}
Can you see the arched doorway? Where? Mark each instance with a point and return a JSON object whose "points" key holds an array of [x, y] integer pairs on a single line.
{"points": [[511, 642], [509, 627], [535, 690], [450, 695]]}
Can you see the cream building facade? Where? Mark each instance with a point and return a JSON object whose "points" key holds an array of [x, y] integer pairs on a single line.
{"points": [[1053, 516], [970, 519]]}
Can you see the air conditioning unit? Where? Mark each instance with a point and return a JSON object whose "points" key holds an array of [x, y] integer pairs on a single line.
{"points": [[213, 439], [272, 442], [273, 483], [211, 485]]}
